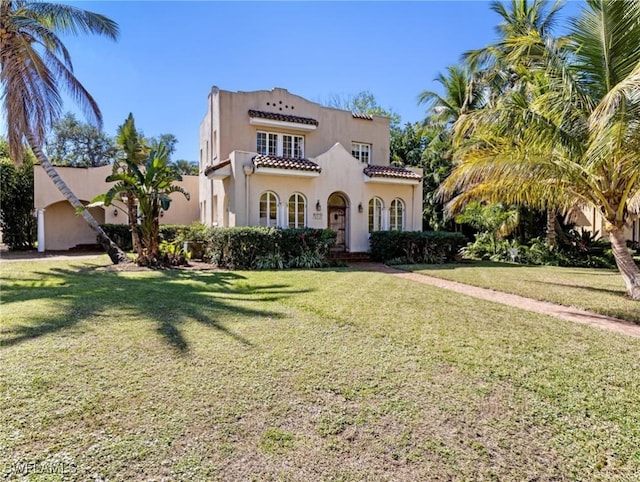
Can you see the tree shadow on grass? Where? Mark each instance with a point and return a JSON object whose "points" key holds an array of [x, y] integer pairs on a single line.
{"points": [[169, 297], [616, 292]]}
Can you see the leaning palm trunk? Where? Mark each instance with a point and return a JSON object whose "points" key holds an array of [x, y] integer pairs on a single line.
{"points": [[112, 249], [626, 265]]}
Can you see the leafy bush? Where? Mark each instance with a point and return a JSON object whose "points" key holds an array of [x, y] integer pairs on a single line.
{"points": [[415, 246], [172, 254], [16, 204], [268, 248], [179, 233], [582, 251], [119, 234]]}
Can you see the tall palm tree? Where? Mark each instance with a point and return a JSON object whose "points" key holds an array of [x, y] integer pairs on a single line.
{"points": [[506, 65], [34, 64], [571, 134]]}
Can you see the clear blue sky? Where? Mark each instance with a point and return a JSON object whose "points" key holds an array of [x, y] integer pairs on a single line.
{"points": [[171, 53]]}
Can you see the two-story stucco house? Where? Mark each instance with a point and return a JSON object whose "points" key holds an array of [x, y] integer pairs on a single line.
{"points": [[271, 158]]}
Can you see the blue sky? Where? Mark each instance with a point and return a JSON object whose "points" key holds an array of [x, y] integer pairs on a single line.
{"points": [[170, 54]]}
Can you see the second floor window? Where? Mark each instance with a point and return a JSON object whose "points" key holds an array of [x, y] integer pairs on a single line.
{"points": [[285, 145], [267, 143], [361, 151]]}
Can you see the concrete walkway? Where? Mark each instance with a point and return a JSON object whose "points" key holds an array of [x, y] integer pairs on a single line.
{"points": [[565, 312]]}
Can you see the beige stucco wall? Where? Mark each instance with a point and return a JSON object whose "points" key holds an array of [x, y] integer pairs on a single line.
{"points": [[590, 219], [226, 125], [64, 230], [341, 173]]}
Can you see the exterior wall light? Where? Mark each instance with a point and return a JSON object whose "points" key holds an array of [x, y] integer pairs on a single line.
{"points": [[318, 206], [115, 213], [360, 207]]}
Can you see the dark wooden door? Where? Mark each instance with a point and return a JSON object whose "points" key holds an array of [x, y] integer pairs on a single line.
{"points": [[338, 223]]}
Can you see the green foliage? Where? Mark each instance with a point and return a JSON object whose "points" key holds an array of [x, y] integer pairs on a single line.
{"points": [[364, 102], [185, 168], [16, 202], [179, 233], [268, 248], [78, 144], [173, 254], [120, 234], [151, 183], [582, 251], [409, 247]]}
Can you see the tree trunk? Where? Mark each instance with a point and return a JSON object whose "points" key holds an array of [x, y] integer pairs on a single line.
{"points": [[132, 209], [626, 265], [112, 249], [551, 229]]}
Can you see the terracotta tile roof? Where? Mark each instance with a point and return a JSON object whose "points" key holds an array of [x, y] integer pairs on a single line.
{"points": [[285, 163], [215, 167], [360, 115], [390, 171], [282, 117]]}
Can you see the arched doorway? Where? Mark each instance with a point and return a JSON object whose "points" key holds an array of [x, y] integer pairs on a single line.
{"points": [[338, 219]]}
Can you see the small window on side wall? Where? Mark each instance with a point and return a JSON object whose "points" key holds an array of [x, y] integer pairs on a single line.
{"points": [[396, 215], [297, 211], [361, 151], [268, 209]]}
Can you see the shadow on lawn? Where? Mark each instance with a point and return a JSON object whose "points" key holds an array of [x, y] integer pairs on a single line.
{"points": [[169, 297], [616, 292]]}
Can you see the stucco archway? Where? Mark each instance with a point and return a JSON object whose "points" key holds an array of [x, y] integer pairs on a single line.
{"points": [[64, 230]]}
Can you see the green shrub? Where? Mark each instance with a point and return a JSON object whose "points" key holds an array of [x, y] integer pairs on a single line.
{"points": [[172, 254], [179, 233], [268, 248], [16, 204], [415, 246], [119, 234], [581, 252]]}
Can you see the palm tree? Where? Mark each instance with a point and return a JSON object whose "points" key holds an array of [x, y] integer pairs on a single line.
{"points": [[571, 134], [184, 167], [506, 65], [461, 96], [134, 149], [151, 183], [34, 64]]}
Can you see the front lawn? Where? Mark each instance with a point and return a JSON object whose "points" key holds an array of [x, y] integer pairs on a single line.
{"points": [[598, 290], [301, 375]]}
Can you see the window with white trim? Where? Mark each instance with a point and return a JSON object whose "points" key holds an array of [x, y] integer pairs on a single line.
{"points": [[268, 209], [285, 145], [297, 211], [361, 151], [396, 215], [375, 214]]}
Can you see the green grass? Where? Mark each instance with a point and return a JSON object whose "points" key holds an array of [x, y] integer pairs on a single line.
{"points": [[304, 375], [598, 290]]}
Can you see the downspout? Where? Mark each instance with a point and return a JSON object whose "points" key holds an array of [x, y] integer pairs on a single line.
{"points": [[413, 208], [248, 170]]}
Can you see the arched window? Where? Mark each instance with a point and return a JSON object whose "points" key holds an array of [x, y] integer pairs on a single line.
{"points": [[297, 211], [375, 214], [268, 209], [396, 215]]}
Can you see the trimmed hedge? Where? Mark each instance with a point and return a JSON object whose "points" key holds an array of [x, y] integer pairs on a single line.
{"points": [[409, 247], [268, 248]]}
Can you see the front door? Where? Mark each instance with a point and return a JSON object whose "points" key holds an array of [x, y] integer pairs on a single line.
{"points": [[337, 213]]}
